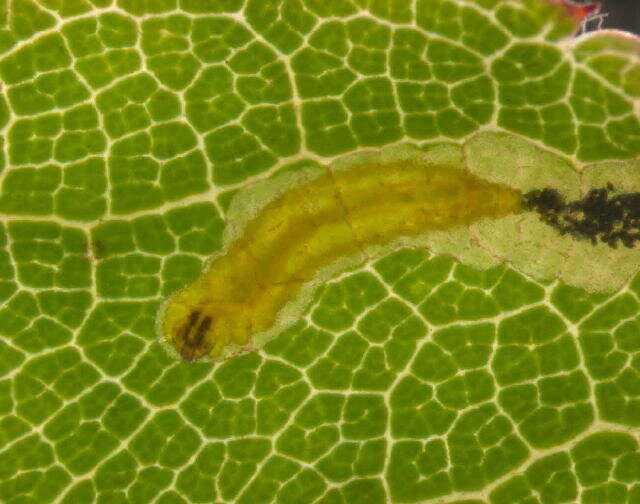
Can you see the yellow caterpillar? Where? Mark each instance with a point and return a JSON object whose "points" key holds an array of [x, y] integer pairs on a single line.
{"points": [[313, 224]]}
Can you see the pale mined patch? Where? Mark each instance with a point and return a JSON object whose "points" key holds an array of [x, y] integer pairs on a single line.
{"points": [[508, 235], [523, 241], [531, 246], [519, 163]]}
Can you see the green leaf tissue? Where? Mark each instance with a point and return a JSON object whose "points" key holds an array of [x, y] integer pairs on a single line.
{"points": [[318, 252]]}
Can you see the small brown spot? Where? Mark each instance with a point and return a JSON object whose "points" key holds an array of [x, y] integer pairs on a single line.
{"points": [[99, 249]]}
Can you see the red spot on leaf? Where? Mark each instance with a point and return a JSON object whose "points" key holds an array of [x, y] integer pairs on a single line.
{"points": [[579, 12]]}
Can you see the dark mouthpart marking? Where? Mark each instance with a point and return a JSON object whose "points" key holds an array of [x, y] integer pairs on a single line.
{"points": [[198, 335], [596, 217], [193, 318]]}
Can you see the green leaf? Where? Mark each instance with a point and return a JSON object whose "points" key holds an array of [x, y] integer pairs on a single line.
{"points": [[128, 125]]}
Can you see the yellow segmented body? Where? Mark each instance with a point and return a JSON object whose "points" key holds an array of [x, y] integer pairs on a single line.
{"points": [[339, 213]]}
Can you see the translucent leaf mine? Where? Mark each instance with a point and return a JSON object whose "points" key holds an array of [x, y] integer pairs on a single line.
{"points": [[317, 222], [310, 227]]}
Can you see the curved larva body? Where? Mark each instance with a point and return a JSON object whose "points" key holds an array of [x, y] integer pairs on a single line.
{"points": [[310, 226]]}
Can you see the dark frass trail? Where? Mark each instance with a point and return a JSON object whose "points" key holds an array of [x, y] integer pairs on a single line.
{"points": [[597, 216]]}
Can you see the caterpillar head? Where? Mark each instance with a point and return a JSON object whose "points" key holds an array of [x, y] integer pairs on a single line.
{"points": [[198, 326], [189, 329]]}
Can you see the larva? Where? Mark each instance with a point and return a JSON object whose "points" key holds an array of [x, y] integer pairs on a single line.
{"points": [[322, 221]]}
